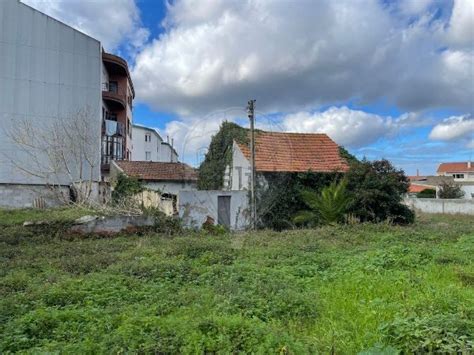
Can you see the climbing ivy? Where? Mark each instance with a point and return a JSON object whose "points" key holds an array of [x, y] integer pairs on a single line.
{"points": [[219, 155]]}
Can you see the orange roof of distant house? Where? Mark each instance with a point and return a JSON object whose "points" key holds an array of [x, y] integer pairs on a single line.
{"points": [[157, 171], [414, 188], [295, 152], [455, 167]]}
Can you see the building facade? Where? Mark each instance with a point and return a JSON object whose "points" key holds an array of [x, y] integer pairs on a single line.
{"points": [[55, 80], [149, 146], [117, 110]]}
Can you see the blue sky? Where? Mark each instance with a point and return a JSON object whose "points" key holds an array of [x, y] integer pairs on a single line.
{"points": [[385, 78]]}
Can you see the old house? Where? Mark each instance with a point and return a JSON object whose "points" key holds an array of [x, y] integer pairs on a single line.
{"points": [[279, 152]]}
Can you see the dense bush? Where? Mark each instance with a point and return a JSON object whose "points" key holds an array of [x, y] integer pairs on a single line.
{"points": [[450, 190], [427, 193], [125, 187], [377, 190], [328, 207]]}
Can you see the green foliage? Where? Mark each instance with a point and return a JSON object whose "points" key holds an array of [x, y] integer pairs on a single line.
{"points": [[219, 155], [368, 288], [377, 189], [450, 190], [11, 217], [280, 199], [438, 333], [329, 206], [428, 193], [126, 187], [351, 159]]}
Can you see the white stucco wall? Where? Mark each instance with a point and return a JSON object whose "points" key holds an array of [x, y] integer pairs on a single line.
{"points": [[240, 169], [48, 71], [468, 191], [195, 206], [448, 206], [160, 150], [171, 187]]}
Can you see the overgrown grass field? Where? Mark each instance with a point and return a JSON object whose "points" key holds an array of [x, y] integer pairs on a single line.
{"points": [[346, 289]]}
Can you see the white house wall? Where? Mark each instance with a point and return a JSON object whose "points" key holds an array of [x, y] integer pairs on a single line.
{"points": [[160, 151], [170, 187], [48, 71], [239, 163]]}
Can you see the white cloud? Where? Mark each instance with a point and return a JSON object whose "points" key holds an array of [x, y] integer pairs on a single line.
{"points": [[454, 128], [461, 26], [110, 21], [351, 128], [298, 55]]}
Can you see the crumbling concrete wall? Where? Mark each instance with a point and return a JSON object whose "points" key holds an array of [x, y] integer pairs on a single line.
{"points": [[196, 206], [28, 196]]}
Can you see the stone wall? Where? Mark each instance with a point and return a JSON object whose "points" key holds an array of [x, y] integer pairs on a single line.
{"points": [[448, 206]]}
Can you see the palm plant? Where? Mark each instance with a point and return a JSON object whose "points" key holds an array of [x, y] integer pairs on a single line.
{"points": [[328, 207]]}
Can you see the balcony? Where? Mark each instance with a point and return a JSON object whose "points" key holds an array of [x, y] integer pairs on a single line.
{"points": [[112, 128], [117, 66], [116, 97], [112, 149]]}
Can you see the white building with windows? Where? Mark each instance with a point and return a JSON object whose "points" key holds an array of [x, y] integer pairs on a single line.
{"points": [[463, 175], [147, 145]]}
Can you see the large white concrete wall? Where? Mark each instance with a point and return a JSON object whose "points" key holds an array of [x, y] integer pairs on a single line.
{"points": [[48, 71], [447, 206]]}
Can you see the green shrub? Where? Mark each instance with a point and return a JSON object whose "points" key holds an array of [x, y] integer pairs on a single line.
{"points": [[450, 190], [438, 333], [329, 206], [427, 193], [377, 190], [126, 187]]}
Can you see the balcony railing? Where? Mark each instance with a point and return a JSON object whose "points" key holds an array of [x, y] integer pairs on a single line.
{"points": [[112, 149]]}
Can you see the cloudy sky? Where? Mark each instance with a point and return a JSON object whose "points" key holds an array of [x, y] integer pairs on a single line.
{"points": [[384, 78]]}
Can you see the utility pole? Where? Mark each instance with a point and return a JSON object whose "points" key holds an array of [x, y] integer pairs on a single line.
{"points": [[253, 203]]}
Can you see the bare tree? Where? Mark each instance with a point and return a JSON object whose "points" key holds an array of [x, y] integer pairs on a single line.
{"points": [[62, 152]]}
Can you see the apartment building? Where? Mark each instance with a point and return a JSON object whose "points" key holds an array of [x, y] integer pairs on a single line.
{"points": [[117, 105], [50, 76], [148, 145]]}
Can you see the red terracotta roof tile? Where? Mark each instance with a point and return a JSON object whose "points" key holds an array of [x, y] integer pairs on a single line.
{"points": [[158, 171], [295, 152], [413, 188], [455, 167]]}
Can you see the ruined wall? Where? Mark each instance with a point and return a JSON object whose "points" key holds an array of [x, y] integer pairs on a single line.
{"points": [[196, 206]]}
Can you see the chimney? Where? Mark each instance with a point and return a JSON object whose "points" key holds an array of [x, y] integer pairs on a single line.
{"points": [[417, 172], [168, 139], [172, 142], [469, 164]]}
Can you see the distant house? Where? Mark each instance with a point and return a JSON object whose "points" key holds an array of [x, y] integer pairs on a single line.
{"points": [[149, 146], [462, 173], [279, 152], [168, 178]]}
